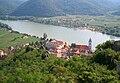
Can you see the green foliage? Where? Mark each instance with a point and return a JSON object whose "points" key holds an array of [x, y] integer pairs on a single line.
{"points": [[7, 6], [62, 7], [107, 54], [114, 45], [39, 7], [29, 49], [31, 67], [73, 45], [12, 39], [105, 57]]}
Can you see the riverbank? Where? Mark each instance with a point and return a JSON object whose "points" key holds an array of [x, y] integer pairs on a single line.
{"points": [[105, 25], [9, 37], [101, 31], [71, 35]]}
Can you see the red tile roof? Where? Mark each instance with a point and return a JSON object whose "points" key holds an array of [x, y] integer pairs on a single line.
{"points": [[82, 47]]}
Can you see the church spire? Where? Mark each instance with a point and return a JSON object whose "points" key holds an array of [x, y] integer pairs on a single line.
{"points": [[90, 43]]}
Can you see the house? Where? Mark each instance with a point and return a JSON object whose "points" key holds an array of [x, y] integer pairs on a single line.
{"points": [[80, 50], [63, 49], [59, 48], [56, 44], [2, 54], [56, 52], [10, 49], [84, 49]]}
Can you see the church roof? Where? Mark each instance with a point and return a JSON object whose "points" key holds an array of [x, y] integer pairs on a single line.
{"points": [[82, 47]]}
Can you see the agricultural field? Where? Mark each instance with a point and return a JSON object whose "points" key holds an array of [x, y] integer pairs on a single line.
{"points": [[108, 20], [12, 39]]}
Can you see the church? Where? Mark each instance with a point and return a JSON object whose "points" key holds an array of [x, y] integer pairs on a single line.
{"points": [[83, 49]]}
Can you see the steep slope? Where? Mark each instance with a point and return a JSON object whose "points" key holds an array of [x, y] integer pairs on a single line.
{"points": [[40, 8], [7, 6], [33, 65], [85, 7], [46, 8]]}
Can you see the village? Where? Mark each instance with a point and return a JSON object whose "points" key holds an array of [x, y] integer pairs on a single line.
{"points": [[64, 50], [59, 48]]}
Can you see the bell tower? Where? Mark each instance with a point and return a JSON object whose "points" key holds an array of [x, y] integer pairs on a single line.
{"points": [[90, 43]]}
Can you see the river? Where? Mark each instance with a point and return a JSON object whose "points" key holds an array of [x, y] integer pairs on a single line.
{"points": [[60, 33]]}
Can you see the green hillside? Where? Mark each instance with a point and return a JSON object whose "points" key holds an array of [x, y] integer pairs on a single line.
{"points": [[7, 6], [48, 8], [40, 8], [8, 37], [35, 65], [12, 39], [84, 7]]}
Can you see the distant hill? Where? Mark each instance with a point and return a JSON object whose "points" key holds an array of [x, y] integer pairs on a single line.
{"points": [[48, 8], [84, 7], [116, 7], [117, 2], [42, 8], [117, 11], [7, 6]]}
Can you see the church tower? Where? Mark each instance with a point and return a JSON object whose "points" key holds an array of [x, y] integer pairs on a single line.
{"points": [[90, 43]]}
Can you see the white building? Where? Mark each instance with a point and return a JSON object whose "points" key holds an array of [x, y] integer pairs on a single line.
{"points": [[2, 54], [56, 44]]}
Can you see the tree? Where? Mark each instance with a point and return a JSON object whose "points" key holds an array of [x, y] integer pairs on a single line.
{"points": [[73, 45], [29, 49], [44, 36], [31, 65]]}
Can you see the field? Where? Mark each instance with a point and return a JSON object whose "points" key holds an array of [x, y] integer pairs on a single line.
{"points": [[109, 20], [12, 39]]}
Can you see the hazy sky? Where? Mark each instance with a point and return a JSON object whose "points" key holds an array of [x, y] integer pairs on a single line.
{"points": [[114, 0]]}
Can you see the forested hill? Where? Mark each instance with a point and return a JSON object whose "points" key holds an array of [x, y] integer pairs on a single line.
{"points": [[33, 65], [42, 8], [84, 7], [47, 8], [7, 6]]}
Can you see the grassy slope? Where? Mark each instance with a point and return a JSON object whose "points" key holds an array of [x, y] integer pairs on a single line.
{"points": [[7, 39]]}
